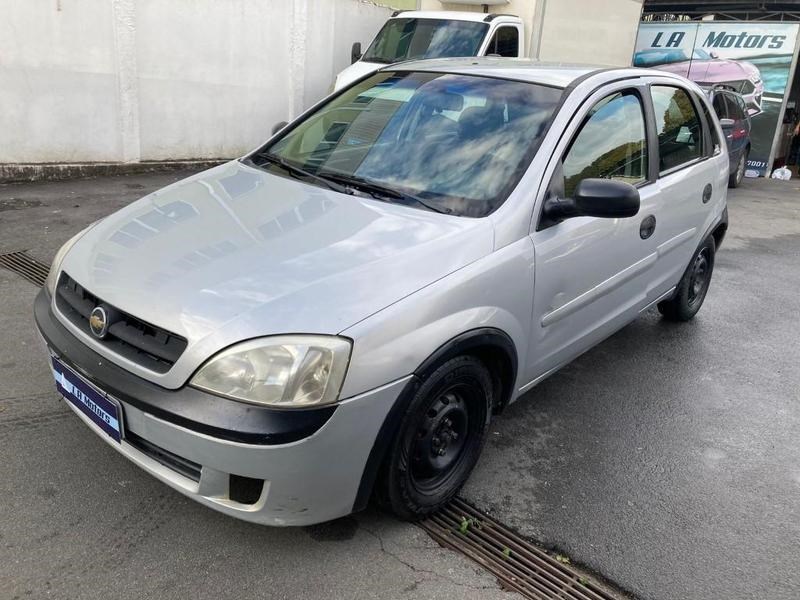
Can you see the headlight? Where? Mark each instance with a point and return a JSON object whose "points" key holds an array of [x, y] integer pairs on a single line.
{"points": [[55, 267], [290, 371]]}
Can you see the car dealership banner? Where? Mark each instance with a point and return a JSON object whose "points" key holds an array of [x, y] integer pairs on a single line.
{"points": [[753, 58]]}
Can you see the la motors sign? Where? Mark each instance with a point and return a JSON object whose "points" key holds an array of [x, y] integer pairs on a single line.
{"points": [[742, 39], [721, 39]]}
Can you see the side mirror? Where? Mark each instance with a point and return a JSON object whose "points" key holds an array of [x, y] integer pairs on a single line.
{"points": [[278, 126], [355, 52], [605, 198], [727, 123]]}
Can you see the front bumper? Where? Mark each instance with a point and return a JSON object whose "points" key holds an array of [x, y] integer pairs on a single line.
{"points": [[307, 465]]}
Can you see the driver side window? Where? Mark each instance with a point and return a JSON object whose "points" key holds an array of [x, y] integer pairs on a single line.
{"points": [[610, 144], [504, 42]]}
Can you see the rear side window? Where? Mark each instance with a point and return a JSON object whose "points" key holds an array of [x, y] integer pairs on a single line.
{"points": [[680, 135], [716, 145], [735, 111], [742, 105], [719, 106], [610, 144], [505, 42]]}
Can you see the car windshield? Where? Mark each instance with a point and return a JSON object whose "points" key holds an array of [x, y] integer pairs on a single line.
{"points": [[448, 142], [407, 39]]}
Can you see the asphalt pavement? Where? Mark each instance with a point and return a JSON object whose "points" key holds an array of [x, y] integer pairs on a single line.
{"points": [[665, 459], [78, 521]]}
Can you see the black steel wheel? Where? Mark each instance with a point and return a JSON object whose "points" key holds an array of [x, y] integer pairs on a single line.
{"points": [[693, 286], [439, 439]]}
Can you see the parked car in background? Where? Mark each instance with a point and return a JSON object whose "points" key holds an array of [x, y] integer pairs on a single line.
{"points": [[731, 110], [342, 311], [414, 35], [707, 70]]}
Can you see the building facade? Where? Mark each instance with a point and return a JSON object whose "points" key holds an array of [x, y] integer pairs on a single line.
{"points": [[125, 81]]}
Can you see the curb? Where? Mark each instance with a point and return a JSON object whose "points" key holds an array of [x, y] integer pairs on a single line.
{"points": [[27, 172]]}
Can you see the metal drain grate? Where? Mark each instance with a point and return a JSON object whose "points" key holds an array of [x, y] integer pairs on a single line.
{"points": [[26, 266], [518, 565]]}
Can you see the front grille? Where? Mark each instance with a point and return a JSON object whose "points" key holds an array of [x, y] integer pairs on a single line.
{"points": [[144, 344], [184, 466]]}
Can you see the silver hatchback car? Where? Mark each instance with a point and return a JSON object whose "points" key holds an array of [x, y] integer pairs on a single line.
{"points": [[340, 313]]}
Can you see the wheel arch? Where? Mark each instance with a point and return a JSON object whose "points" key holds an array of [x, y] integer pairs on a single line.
{"points": [[492, 346], [720, 229]]}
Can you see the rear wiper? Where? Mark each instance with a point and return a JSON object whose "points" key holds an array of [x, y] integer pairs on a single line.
{"points": [[298, 171], [381, 192]]}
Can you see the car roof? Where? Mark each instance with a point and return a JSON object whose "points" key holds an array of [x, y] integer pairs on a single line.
{"points": [[453, 15], [522, 69]]}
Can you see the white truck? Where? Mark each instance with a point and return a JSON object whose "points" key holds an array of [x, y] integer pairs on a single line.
{"points": [[412, 35]]}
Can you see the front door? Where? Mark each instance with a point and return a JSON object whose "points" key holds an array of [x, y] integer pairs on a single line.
{"points": [[591, 273]]}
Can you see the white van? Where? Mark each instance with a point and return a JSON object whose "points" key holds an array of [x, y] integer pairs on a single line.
{"points": [[413, 34]]}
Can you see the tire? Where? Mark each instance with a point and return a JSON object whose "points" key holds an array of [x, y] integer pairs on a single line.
{"points": [[693, 286], [735, 178], [426, 464]]}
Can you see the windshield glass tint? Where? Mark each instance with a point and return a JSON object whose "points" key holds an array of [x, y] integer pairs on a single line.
{"points": [[459, 142], [406, 39]]}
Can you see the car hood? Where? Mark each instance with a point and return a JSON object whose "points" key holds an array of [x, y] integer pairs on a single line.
{"points": [[237, 252], [356, 71], [717, 70]]}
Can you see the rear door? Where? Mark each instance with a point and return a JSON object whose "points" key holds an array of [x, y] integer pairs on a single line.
{"points": [[692, 176]]}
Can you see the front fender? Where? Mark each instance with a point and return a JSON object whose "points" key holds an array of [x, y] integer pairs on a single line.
{"points": [[494, 292]]}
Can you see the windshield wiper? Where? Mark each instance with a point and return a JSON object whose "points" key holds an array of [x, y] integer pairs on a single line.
{"points": [[298, 171], [382, 192], [379, 60]]}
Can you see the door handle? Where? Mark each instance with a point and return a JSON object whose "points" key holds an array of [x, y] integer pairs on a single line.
{"points": [[648, 227], [707, 193]]}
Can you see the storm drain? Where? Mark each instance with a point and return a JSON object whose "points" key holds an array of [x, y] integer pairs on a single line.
{"points": [[518, 565], [26, 266]]}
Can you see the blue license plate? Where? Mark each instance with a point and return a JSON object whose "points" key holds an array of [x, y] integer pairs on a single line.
{"points": [[97, 406]]}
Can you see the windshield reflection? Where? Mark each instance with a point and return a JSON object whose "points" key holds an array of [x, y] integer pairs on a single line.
{"points": [[410, 39], [461, 142]]}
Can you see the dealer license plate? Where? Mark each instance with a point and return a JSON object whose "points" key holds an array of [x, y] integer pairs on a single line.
{"points": [[105, 412]]}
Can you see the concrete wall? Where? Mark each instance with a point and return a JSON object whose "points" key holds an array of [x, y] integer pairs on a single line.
{"points": [[131, 80], [58, 83], [588, 31], [138, 80]]}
